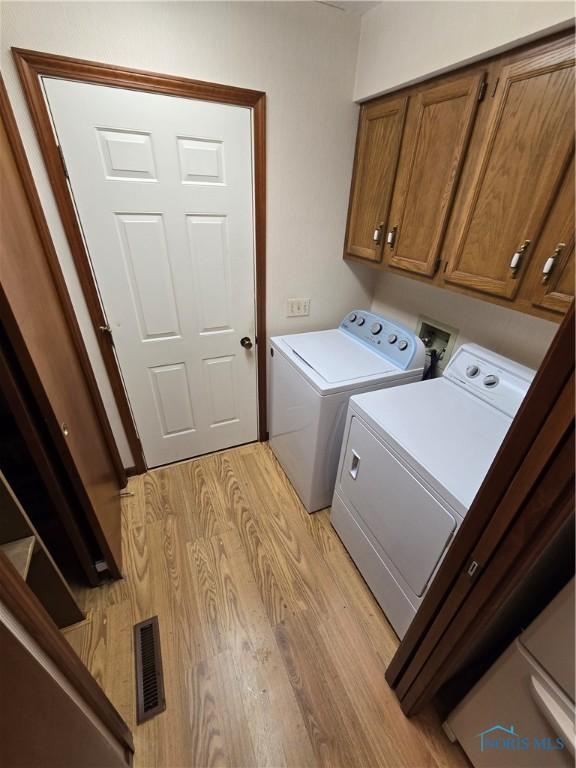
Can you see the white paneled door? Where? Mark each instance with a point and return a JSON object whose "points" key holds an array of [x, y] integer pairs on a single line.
{"points": [[163, 190]]}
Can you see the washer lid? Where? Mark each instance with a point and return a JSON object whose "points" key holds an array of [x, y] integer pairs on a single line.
{"points": [[336, 356], [449, 436]]}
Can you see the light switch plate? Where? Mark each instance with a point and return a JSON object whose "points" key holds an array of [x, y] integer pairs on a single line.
{"points": [[298, 308]]}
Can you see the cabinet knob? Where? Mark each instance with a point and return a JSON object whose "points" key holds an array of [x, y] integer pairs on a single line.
{"points": [[518, 256], [550, 261], [391, 237]]}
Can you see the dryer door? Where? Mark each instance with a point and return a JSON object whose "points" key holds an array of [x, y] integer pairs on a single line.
{"points": [[408, 525]]}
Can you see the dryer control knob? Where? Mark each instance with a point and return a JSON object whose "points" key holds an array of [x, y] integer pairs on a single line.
{"points": [[472, 371], [392, 338], [361, 320], [352, 317], [375, 328], [491, 380], [402, 344]]}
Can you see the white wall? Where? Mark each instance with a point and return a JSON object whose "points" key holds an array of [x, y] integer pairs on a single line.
{"points": [[401, 42], [510, 333], [302, 54]]}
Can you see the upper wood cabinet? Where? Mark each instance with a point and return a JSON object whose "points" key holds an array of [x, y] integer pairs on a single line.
{"points": [[377, 151], [551, 278], [529, 139], [474, 173], [438, 126]]}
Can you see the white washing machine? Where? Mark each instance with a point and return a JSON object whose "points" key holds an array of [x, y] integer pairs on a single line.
{"points": [[312, 376], [412, 460]]}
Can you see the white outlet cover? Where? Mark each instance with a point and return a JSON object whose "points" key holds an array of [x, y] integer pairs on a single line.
{"points": [[298, 308]]}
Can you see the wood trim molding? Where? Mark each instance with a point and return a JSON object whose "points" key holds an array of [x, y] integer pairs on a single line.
{"points": [[23, 604], [541, 425], [32, 65], [259, 108], [58, 278]]}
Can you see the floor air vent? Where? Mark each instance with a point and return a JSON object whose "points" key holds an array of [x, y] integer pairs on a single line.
{"points": [[150, 699]]}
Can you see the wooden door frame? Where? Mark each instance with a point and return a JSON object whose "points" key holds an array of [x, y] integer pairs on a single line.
{"points": [[528, 488], [21, 160], [32, 66], [25, 607]]}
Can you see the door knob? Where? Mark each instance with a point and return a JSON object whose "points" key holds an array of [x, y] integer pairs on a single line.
{"points": [[246, 342]]}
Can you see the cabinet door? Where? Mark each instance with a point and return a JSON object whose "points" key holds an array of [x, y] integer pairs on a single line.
{"points": [[436, 136], [553, 259], [377, 152], [527, 144]]}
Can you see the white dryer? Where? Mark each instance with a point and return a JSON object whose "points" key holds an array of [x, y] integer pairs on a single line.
{"points": [[412, 461], [312, 376]]}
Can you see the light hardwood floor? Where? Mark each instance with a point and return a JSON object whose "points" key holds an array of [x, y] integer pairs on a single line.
{"points": [[274, 649]]}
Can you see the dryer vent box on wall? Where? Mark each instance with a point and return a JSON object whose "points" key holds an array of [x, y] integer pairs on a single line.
{"points": [[436, 335]]}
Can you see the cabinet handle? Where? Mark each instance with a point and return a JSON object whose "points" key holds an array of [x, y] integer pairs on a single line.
{"points": [[550, 261], [355, 465], [377, 236], [518, 256], [391, 237]]}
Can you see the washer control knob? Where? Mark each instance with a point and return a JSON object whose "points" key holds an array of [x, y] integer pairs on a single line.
{"points": [[472, 371], [375, 328], [491, 380], [392, 338], [402, 344], [352, 317], [361, 320]]}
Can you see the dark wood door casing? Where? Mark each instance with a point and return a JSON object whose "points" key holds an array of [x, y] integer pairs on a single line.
{"points": [[46, 342], [32, 66]]}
